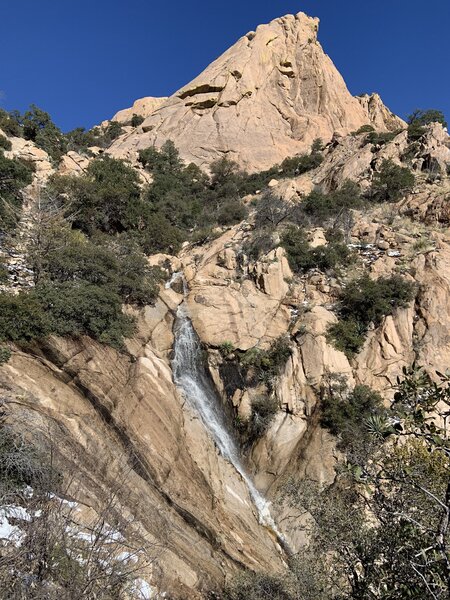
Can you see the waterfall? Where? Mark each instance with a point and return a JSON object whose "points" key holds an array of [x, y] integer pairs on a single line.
{"points": [[190, 377]]}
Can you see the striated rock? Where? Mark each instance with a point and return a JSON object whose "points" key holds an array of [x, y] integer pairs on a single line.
{"points": [[267, 97], [119, 424], [73, 163]]}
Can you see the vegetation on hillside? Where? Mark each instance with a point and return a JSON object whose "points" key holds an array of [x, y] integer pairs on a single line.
{"points": [[381, 530]]}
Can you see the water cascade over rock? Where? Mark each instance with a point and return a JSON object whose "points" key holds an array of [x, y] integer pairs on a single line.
{"points": [[190, 377]]}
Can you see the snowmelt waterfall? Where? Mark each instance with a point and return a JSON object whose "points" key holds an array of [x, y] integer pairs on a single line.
{"points": [[191, 378]]}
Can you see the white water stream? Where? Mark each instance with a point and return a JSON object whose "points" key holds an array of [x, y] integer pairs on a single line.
{"points": [[190, 377]]}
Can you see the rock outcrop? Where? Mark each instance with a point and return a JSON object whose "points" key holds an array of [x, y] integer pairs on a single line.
{"points": [[143, 107], [267, 97]]}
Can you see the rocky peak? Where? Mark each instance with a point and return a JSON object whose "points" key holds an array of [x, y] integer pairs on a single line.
{"points": [[264, 99]]}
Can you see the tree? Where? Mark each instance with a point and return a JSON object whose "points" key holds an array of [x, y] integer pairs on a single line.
{"points": [[391, 182], [425, 117], [14, 176], [38, 127]]}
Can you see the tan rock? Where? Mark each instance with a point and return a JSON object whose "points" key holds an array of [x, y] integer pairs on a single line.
{"points": [[143, 107], [268, 97]]}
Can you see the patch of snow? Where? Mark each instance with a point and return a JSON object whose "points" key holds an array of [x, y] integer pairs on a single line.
{"points": [[144, 590]]}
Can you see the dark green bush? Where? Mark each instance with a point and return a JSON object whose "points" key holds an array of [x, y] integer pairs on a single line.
{"points": [[391, 182], [5, 355], [81, 308], [381, 138], [22, 318], [297, 165], [345, 414], [38, 127], [365, 301], [418, 120], [257, 586], [321, 207], [364, 129], [14, 175], [9, 124], [136, 120], [260, 243], [5, 144], [264, 365], [231, 212], [302, 257]]}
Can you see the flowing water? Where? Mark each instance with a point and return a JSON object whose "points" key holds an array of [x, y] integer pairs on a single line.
{"points": [[191, 378]]}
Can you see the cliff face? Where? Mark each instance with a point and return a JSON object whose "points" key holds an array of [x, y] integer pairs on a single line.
{"points": [[268, 97], [117, 423], [119, 427]]}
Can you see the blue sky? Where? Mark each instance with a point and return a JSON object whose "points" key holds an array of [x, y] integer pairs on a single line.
{"points": [[84, 60]]}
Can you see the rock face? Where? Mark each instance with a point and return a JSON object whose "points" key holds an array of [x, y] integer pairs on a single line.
{"points": [[268, 97], [117, 423], [143, 107]]}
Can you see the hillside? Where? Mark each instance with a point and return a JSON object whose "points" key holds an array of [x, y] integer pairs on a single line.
{"points": [[314, 268]]}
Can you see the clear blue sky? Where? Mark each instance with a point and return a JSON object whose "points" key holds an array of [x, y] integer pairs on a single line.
{"points": [[82, 60]]}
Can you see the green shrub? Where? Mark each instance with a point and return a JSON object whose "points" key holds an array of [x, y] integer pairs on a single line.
{"points": [[364, 129], [257, 586], [81, 308], [260, 243], [345, 414], [347, 336], [425, 117], [391, 182], [5, 144], [38, 127], [264, 365], [9, 124], [418, 120], [231, 212], [14, 176], [381, 138], [5, 355], [22, 318], [297, 165], [364, 301], [321, 207], [136, 120], [302, 257]]}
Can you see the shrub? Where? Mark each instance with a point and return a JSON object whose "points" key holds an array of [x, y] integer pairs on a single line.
{"points": [[302, 257], [9, 124], [5, 144], [14, 176], [263, 411], [345, 414], [22, 318], [425, 117], [297, 165], [391, 183], [381, 138], [81, 308], [418, 120], [347, 336], [38, 127], [136, 120], [264, 365], [257, 586], [364, 129], [366, 301], [231, 212], [321, 207], [260, 243], [5, 355]]}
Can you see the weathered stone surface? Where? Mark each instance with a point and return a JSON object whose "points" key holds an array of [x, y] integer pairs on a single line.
{"points": [[267, 97], [143, 107]]}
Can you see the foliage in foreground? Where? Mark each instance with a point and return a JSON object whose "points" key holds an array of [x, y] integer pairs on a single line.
{"points": [[381, 530]]}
